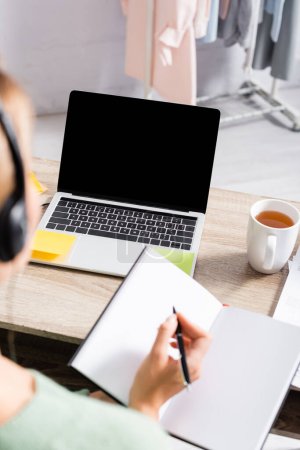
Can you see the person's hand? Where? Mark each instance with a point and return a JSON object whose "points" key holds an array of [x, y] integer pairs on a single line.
{"points": [[100, 395], [159, 376]]}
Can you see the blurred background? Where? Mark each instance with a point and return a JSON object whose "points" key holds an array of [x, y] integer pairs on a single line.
{"points": [[53, 47]]}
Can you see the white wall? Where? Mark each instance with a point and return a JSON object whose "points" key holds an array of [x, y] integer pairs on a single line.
{"points": [[54, 46]]}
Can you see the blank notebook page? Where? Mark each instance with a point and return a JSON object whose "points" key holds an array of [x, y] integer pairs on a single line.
{"points": [[245, 376], [125, 333]]}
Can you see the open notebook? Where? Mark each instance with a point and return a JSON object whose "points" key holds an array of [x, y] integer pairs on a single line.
{"points": [[246, 372]]}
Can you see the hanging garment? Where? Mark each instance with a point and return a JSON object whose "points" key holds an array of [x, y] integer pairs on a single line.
{"points": [[236, 28], [202, 18], [261, 10], [212, 28], [224, 7], [275, 7], [174, 47], [280, 55]]}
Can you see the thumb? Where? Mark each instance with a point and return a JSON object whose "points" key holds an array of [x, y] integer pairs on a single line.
{"points": [[165, 332]]}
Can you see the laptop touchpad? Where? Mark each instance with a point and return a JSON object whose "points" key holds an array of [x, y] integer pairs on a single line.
{"points": [[111, 256]]}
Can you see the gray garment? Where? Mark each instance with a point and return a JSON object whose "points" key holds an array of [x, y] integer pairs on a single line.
{"points": [[275, 7], [280, 55], [237, 25]]}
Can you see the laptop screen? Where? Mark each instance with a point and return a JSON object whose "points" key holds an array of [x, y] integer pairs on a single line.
{"points": [[138, 151]]}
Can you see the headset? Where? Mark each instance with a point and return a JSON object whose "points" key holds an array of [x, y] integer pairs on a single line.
{"points": [[13, 217]]}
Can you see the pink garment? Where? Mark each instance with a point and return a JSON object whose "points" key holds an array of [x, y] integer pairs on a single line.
{"points": [[202, 18], [174, 47], [224, 7]]}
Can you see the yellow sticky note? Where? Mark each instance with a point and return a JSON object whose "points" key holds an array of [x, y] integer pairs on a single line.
{"points": [[183, 260], [52, 244], [41, 256], [39, 187]]}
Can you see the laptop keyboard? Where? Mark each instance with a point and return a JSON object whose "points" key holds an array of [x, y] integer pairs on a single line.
{"points": [[166, 230]]}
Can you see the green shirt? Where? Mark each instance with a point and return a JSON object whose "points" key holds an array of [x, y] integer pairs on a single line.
{"points": [[57, 419]]}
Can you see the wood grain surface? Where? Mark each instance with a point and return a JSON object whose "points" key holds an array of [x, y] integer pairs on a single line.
{"points": [[51, 304], [63, 304]]}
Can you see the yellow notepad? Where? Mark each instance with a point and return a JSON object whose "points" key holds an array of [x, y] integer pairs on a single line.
{"points": [[49, 245]]}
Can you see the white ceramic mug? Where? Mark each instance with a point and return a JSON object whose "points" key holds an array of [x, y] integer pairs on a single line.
{"points": [[269, 248]]}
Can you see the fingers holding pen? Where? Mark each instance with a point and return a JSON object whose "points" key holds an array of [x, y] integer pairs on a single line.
{"points": [[196, 341], [190, 329], [160, 376], [165, 333]]}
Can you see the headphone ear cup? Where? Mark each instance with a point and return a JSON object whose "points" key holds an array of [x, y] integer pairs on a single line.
{"points": [[13, 229]]}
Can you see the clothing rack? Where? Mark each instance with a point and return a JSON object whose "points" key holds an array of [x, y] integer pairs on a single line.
{"points": [[250, 87]]}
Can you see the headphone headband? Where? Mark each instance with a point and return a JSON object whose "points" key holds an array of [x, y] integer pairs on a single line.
{"points": [[13, 220], [15, 153]]}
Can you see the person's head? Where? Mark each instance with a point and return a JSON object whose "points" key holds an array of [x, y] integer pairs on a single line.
{"points": [[18, 109]]}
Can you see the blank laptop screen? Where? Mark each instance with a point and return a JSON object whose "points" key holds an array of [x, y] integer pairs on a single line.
{"points": [[138, 151]]}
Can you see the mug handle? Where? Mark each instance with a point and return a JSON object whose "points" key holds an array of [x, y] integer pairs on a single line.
{"points": [[270, 252]]}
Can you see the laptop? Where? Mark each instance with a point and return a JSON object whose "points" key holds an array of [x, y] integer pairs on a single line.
{"points": [[133, 173]]}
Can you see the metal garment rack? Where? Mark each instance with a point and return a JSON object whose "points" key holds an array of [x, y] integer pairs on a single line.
{"points": [[249, 87], [274, 103]]}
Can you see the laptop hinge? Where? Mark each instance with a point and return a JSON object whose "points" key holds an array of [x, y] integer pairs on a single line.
{"points": [[140, 205]]}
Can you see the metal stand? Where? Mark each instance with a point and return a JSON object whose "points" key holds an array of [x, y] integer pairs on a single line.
{"points": [[274, 104], [249, 88], [149, 49]]}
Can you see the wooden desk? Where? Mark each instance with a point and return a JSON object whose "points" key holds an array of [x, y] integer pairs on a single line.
{"points": [[63, 304]]}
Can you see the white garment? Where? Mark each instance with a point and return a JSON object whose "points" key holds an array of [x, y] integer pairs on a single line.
{"points": [[202, 18]]}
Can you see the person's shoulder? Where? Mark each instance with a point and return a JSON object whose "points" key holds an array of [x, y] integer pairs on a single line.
{"points": [[118, 426], [56, 417], [135, 430]]}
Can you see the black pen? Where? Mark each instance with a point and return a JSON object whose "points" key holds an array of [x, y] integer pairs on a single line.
{"points": [[184, 367]]}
